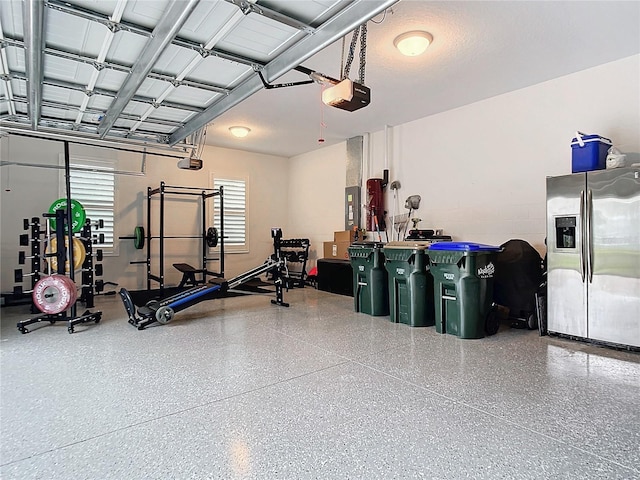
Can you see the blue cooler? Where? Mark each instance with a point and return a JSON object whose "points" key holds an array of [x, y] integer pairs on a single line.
{"points": [[589, 152]]}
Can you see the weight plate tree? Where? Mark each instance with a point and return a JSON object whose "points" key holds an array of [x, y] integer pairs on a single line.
{"points": [[56, 295]]}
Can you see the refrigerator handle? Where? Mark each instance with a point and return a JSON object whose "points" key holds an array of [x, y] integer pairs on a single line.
{"points": [[590, 235], [582, 235]]}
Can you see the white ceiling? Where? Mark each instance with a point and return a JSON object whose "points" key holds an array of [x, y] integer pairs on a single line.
{"points": [[480, 49]]}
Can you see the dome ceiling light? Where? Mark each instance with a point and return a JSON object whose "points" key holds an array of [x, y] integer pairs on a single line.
{"points": [[239, 131], [413, 43]]}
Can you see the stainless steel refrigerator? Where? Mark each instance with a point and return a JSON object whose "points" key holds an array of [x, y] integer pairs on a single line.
{"points": [[593, 256]]}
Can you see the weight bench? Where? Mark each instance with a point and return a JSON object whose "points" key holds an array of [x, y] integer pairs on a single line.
{"points": [[188, 274]]}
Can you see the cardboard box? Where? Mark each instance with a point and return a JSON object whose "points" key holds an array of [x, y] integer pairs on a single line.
{"points": [[336, 250], [344, 236]]}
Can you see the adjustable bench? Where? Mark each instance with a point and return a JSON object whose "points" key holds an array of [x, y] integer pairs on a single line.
{"points": [[188, 274]]}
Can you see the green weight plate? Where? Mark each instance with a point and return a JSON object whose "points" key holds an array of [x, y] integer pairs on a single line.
{"points": [[78, 215], [138, 237]]}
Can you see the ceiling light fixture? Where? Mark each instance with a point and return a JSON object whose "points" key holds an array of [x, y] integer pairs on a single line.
{"points": [[413, 43], [239, 132]]}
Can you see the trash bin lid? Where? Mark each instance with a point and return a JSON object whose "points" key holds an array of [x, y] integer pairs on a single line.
{"points": [[464, 247], [368, 244], [410, 244]]}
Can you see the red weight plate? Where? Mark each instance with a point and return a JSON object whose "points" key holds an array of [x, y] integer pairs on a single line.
{"points": [[52, 294]]}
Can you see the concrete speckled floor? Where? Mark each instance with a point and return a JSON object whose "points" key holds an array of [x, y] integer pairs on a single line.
{"points": [[239, 388]]}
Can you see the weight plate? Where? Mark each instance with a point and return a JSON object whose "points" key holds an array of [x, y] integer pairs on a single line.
{"points": [[78, 215], [212, 237], [52, 294], [79, 253], [138, 237], [164, 315], [73, 289]]}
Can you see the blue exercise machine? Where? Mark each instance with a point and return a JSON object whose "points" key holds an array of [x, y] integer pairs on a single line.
{"points": [[163, 311]]}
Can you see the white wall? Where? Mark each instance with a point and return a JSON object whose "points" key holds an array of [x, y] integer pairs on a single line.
{"points": [[28, 192], [317, 181], [480, 169], [267, 179]]}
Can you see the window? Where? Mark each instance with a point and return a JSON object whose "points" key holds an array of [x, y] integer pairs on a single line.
{"points": [[235, 213], [93, 185]]}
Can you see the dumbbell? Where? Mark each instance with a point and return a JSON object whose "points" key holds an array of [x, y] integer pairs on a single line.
{"points": [[96, 224], [18, 275], [97, 270], [22, 256], [95, 284], [98, 255], [99, 286], [95, 239], [26, 223], [24, 240], [18, 291]]}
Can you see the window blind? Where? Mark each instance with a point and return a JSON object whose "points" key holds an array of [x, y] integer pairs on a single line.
{"points": [[235, 219], [95, 190]]}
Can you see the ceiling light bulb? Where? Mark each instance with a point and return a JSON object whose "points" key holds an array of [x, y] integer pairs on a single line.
{"points": [[239, 132], [413, 43]]}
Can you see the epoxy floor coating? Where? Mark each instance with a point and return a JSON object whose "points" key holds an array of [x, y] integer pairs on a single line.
{"points": [[240, 388]]}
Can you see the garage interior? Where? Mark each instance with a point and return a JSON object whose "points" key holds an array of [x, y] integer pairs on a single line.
{"points": [[147, 92]]}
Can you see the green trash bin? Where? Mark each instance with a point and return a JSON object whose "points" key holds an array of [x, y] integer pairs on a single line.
{"points": [[410, 283], [463, 288], [370, 292]]}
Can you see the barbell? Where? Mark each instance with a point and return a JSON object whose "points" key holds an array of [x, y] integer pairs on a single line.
{"points": [[210, 237]]}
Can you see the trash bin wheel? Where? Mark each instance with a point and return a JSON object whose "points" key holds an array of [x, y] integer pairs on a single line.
{"points": [[492, 323], [532, 321]]}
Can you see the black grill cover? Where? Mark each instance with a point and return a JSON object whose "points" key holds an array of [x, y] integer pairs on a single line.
{"points": [[517, 277]]}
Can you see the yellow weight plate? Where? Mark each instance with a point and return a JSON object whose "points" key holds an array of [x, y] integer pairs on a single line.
{"points": [[79, 253]]}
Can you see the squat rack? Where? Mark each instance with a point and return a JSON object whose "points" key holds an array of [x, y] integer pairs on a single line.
{"points": [[203, 194]]}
